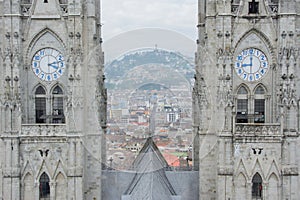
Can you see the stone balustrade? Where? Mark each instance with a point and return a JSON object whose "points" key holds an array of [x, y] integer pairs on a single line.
{"points": [[43, 130], [257, 132]]}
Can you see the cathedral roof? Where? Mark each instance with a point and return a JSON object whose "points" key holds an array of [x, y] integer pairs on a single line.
{"points": [[150, 181]]}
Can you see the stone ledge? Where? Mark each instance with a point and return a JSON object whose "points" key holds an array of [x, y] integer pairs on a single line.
{"points": [[11, 172], [45, 16], [290, 171], [227, 171]]}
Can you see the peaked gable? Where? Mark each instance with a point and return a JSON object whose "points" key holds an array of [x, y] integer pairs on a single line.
{"points": [[150, 181]]}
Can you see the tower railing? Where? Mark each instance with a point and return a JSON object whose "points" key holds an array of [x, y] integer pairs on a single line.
{"points": [[257, 131], [43, 130]]}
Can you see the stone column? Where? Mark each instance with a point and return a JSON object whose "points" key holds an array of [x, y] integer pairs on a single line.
{"points": [[15, 188], [268, 109], [16, 155], [72, 153], [52, 190], [264, 190], [221, 152], [228, 152], [293, 153], [249, 190], [79, 154], [250, 108], [8, 154], [37, 189]]}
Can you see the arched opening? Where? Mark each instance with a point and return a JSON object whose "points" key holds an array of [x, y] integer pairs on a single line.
{"points": [[44, 187], [257, 186], [58, 105], [242, 105], [60, 187], [40, 105], [259, 105], [241, 189], [28, 188], [273, 187]]}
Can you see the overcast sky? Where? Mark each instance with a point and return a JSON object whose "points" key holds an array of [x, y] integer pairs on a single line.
{"points": [[119, 16]]}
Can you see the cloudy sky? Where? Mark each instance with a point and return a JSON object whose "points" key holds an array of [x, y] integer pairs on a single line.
{"points": [[119, 16]]}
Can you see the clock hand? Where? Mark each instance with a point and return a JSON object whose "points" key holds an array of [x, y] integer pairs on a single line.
{"points": [[246, 65], [52, 63], [55, 62], [53, 66]]}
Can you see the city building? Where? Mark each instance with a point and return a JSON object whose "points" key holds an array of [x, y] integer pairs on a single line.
{"points": [[246, 99]]}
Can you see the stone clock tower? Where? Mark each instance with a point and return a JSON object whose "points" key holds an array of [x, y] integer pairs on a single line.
{"points": [[52, 99], [246, 99]]}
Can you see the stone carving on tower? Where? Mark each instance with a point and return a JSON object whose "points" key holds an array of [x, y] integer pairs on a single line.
{"points": [[247, 135], [53, 100]]}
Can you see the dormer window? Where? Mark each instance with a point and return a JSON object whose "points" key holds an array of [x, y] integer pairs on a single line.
{"points": [[253, 7]]}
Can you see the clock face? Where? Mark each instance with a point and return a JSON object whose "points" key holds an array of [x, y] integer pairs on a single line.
{"points": [[251, 65], [48, 64]]}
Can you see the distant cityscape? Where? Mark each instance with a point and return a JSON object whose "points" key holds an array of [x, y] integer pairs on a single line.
{"points": [[159, 106]]}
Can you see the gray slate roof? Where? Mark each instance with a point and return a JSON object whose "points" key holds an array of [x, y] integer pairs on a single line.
{"points": [[150, 181]]}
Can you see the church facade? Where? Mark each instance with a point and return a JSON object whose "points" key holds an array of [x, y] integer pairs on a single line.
{"points": [[246, 99], [53, 101]]}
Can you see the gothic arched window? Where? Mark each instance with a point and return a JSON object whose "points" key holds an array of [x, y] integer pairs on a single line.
{"points": [[257, 186], [49, 107], [57, 105], [40, 105], [242, 105], [259, 105], [44, 187], [251, 107]]}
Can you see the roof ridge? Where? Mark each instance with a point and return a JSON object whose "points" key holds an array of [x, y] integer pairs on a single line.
{"points": [[150, 178], [149, 145]]}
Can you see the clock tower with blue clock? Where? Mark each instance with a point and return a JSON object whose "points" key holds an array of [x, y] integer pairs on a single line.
{"points": [[246, 99], [48, 64], [251, 65], [53, 100]]}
